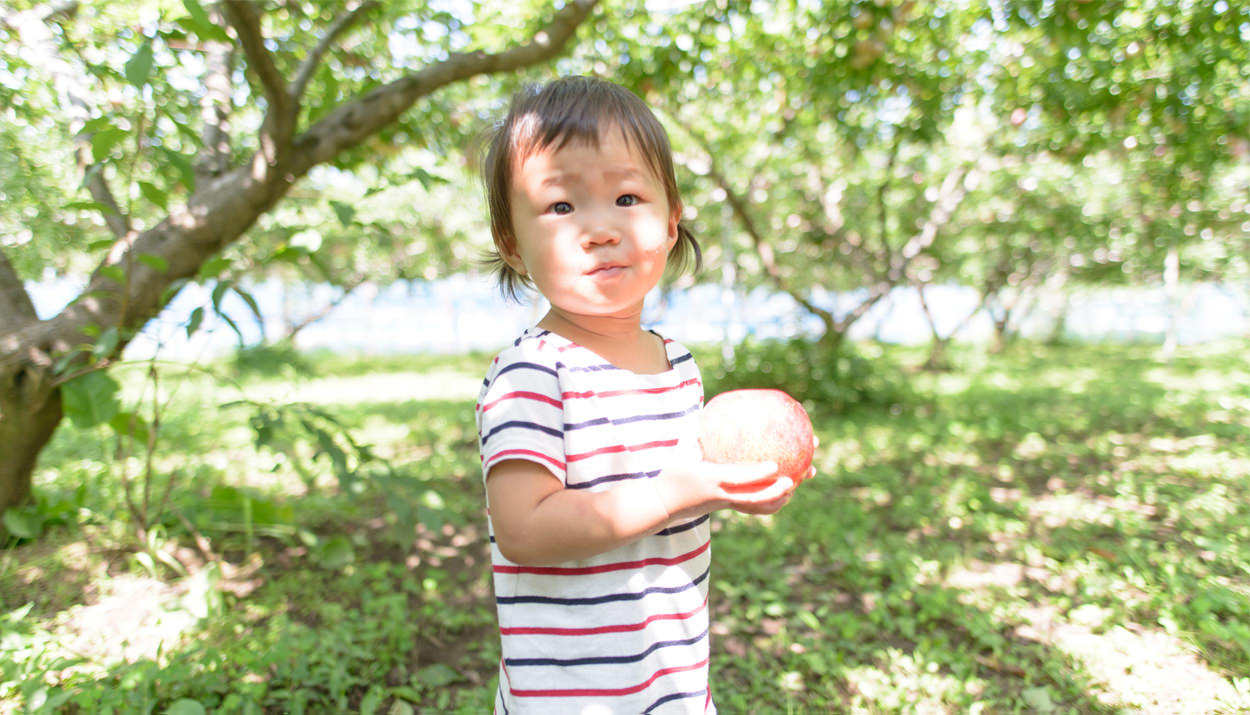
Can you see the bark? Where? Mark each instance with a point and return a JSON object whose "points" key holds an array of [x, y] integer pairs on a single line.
{"points": [[30, 407], [217, 214]]}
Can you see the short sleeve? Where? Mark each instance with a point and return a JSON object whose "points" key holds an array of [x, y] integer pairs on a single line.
{"points": [[520, 413]]}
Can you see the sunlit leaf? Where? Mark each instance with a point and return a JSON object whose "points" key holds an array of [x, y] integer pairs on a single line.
{"points": [[90, 399], [139, 66]]}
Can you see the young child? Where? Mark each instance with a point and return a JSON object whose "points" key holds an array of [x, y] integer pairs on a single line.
{"points": [[597, 496]]}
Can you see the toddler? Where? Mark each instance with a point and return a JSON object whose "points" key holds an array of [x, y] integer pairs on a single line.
{"points": [[597, 495]]}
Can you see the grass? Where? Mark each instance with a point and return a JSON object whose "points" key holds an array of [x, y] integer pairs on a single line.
{"points": [[1054, 529]]}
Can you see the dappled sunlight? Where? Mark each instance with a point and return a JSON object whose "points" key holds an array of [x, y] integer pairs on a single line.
{"points": [[1064, 508], [906, 682], [1137, 667]]}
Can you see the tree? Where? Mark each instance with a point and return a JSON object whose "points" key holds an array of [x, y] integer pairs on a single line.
{"points": [[212, 118]]}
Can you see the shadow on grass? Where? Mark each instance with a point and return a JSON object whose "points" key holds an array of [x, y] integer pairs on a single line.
{"points": [[1087, 480]]}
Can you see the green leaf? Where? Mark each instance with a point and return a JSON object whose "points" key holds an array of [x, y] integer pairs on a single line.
{"points": [[106, 343], [139, 67], [345, 211], [336, 553], [251, 303], [24, 523], [1038, 699], [115, 273], [104, 141], [153, 261], [129, 424], [197, 317], [437, 675], [213, 267], [154, 194], [90, 399], [182, 165], [201, 24]]}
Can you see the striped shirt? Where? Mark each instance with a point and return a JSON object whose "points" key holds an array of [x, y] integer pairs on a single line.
{"points": [[625, 631]]}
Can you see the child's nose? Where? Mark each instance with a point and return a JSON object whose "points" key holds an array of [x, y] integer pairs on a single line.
{"points": [[601, 229], [601, 235]]}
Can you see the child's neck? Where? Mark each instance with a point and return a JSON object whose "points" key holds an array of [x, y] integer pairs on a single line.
{"points": [[620, 340]]}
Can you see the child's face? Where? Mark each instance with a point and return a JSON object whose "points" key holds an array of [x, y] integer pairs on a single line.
{"points": [[593, 226]]}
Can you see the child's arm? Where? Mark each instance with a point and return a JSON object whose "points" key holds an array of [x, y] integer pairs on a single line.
{"points": [[539, 522]]}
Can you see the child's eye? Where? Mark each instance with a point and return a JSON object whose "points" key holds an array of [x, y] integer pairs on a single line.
{"points": [[561, 207], [627, 200]]}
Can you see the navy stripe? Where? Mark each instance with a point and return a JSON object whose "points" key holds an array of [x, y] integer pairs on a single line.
{"points": [[681, 359], [521, 424], [626, 476], [593, 368], [632, 419], [610, 598], [683, 527], [607, 659], [526, 366], [674, 696]]}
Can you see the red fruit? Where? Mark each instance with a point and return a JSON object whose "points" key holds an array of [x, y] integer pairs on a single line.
{"points": [[744, 426]]}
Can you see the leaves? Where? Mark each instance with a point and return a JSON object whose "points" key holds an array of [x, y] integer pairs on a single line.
{"points": [[138, 68], [90, 399]]}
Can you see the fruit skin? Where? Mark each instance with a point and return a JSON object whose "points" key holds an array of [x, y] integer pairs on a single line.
{"points": [[758, 425]]}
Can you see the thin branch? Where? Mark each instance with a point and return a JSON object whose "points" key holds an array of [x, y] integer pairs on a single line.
{"points": [[310, 64], [349, 288], [244, 17], [883, 213], [355, 121], [279, 123]]}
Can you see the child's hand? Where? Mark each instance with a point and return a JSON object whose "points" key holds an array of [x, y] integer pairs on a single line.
{"points": [[697, 488]]}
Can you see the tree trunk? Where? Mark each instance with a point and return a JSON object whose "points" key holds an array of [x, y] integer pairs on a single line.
{"points": [[29, 414], [30, 403]]}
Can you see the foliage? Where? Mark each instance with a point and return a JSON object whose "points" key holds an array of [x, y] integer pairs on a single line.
{"points": [[828, 381], [1048, 529]]}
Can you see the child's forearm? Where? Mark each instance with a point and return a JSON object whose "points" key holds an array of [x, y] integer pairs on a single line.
{"points": [[569, 524], [538, 522]]}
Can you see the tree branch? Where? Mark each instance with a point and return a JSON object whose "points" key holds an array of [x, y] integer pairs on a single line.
{"points": [[359, 119], [310, 64], [16, 308], [275, 133], [93, 178], [244, 17], [219, 212]]}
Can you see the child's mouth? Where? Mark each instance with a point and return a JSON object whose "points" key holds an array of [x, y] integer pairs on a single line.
{"points": [[606, 271]]}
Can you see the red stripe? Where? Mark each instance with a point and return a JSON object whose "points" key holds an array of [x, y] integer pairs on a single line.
{"points": [[643, 391], [622, 628], [603, 568], [621, 448], [588, 692], [522, 394], [525, 452]]}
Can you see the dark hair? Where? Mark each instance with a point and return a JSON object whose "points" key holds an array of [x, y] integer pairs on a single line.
{"points": [[564, 110]]}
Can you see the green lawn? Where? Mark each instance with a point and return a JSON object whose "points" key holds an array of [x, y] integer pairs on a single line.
{"points": [[1054, 529]]}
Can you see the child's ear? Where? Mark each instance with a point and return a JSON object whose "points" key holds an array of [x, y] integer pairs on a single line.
{"points": [[674, 218], [508, 252]]}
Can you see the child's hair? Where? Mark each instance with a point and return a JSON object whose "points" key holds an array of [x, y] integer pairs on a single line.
{"points": [[554, 114]]}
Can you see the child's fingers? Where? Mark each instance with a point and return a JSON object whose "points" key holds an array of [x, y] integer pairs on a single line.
{"points": [[775, 494], [739, 476]]}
